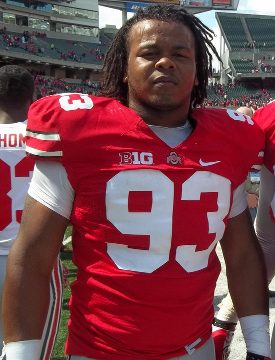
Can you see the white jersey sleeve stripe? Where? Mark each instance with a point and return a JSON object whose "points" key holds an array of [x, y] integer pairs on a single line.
{"points": [[43, 153], [43, 136]]}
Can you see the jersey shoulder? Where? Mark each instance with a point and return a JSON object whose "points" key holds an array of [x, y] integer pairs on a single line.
{"points": [[56, 123], [265, 117], [236, 135], [231, 125]]}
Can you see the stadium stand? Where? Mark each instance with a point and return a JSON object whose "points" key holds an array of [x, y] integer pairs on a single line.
{"points": [[233, 28], [230, 95], [60, 37], [73, 50], [243, 65], [262, 32], [247, 76], [45, 86]]}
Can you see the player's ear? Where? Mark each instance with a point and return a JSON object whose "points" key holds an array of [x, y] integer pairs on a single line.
{"points": [[125, 76]]}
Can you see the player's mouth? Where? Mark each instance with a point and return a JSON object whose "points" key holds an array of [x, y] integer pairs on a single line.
{"points": [[165, 80]]}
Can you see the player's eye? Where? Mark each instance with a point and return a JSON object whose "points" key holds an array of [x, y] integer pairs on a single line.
{"points": [[180, 55], [149, 53]]}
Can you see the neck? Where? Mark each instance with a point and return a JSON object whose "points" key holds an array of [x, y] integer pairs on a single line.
{"points": [[169, 117], [10, 117]]}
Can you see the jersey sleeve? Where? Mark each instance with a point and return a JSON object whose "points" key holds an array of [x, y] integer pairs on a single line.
{"points": [[249, 142], [50, 186], [236, 140], [239, 203], [265, 118], [55, 123]]}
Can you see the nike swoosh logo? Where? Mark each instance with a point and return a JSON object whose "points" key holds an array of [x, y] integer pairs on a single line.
{"points": [[202, 163]]}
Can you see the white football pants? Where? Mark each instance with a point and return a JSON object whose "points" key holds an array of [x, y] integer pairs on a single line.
{"points": [[205, 352]]}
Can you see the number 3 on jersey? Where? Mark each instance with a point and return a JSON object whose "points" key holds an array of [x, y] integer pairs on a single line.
{"points": [[70, 102], [21, 169], [158, 222]]}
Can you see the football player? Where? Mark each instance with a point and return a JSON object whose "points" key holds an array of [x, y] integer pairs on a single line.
{"points": [[16, 95], [265, 220], [150, 185], [226, 320]]}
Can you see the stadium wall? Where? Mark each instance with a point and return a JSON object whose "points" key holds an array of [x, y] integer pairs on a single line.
{"points": [[91, 5], [80, 4], [51, 34]]}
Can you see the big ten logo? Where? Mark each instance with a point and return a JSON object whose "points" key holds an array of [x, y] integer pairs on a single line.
{"points": [[136, 158], [11, 140]]}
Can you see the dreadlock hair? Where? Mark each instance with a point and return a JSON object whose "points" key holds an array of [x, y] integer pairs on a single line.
{"points": [[117, 55]]}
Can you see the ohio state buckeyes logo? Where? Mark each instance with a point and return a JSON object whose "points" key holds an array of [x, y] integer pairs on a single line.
{"points": [[136, 158], [173, 158]]}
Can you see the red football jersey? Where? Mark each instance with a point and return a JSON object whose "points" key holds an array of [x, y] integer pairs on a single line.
{"points": [[265, 118], [146, 220]]}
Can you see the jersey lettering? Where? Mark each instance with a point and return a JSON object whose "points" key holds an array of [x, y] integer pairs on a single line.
{"points": [[135, 158], [158, 222], [204, 182], [12, 140], [5, 218], [21, 169], [235, 115], [72, 102]]}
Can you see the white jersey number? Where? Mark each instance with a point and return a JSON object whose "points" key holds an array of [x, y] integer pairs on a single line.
{"points": [[236, 115], [72, 102], [9, 173], [158, 222]]}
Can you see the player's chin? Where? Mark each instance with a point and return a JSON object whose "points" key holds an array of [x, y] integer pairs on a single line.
{"points": [[166, 104]]}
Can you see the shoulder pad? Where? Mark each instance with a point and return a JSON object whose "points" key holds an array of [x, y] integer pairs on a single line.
{"points": [[55, 121]]}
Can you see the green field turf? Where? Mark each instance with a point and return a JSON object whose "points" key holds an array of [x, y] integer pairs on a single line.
{"points": [[58, 352]]}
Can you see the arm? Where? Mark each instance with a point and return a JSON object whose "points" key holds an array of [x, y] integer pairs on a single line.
{"points": [[247, 282], [245, 268], [264, 225], [252, 200], [252, 197], [29, 267]]}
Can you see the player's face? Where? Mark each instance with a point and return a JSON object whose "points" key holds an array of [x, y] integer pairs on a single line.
{"points": [[161, 70]]}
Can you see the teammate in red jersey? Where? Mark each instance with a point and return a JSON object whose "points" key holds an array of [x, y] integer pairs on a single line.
{"points": [[265, 230], [150, 185], [265, 220], [226, 319], [16, 95]]}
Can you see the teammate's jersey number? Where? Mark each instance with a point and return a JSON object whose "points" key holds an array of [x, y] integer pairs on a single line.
{"points": [[158, 222], [21, 169], [236, 115]]}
